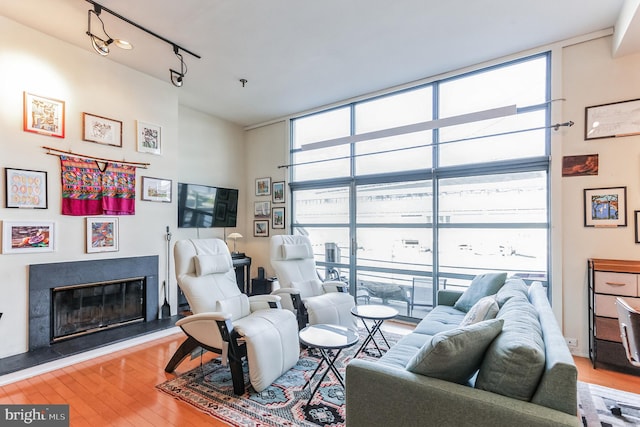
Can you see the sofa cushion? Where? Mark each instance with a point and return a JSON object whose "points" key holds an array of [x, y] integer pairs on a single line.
{"points": [[481, 286], [441, 318], [486, 308], [513, 287], [455, 355], [399, 354], [514, 362]]}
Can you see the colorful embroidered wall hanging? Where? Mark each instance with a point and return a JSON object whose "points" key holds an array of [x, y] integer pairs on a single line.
{"points": [[89, 189]]}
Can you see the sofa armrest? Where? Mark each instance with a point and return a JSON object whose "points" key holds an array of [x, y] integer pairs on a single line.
{"points": [[409, 399], [335, 286], [448, 297]]}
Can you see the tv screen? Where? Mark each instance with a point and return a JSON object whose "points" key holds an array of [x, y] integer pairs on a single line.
{"points": [[203, 206]]}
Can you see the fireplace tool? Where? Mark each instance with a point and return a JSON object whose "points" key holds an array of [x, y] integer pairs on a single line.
{"points": [[166, 308]]}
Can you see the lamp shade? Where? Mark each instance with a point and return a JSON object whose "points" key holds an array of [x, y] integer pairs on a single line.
{"points": [[234, 236]]}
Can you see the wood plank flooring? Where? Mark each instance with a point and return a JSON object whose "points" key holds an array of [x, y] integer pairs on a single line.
{"points": [[119, 389]]}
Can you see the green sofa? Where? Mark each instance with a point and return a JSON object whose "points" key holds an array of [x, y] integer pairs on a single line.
{"points": [[502, 392]]}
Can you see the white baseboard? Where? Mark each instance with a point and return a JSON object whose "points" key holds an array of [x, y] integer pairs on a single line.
{"points": [[81, 357]]}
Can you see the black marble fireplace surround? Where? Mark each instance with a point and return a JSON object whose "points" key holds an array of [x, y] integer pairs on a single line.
{"points": [[44, 277]]}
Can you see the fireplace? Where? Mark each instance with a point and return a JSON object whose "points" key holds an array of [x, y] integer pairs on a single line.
{"points": [[95, 295], [85, 309]]}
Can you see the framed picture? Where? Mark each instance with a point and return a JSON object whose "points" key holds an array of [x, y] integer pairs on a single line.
{"points": [[277, 218], [25, 189], [580, 165], [149, 138], [278, 192], [263, 186], [636, 215], [262, 209], [156, 189], [612, 120], [43, 115], [261, 228], [24, 237], [101, 130], [102, 234], [605, 207]]}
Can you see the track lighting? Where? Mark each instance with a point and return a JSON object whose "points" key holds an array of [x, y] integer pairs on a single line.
{"points": [[177, 78], [101, 45]]}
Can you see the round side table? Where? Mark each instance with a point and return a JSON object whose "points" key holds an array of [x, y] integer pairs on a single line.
{"points": [[326, 337], [378, 314]]}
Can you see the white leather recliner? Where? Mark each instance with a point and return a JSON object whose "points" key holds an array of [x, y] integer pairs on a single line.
{"points": [[229, 323], [325, 302]]}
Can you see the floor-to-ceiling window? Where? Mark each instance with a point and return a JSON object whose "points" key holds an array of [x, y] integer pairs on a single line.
{"points": [[422, 189]]}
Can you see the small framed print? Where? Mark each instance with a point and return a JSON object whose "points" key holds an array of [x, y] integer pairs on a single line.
{"points": [[636, 215], [262, 209], [25, 189], [605, 207], [277, 218], [263, 186], [149, 138], [102, 234], [101, 130], [43, 115], [156, 189], [278, 192], [261, 228], [25, 237]]}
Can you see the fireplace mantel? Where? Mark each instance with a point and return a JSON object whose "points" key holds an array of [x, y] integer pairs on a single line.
{"points": [[44, 277]]}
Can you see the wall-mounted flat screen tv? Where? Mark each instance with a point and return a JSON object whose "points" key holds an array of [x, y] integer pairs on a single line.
{"points": [[203, 206]]}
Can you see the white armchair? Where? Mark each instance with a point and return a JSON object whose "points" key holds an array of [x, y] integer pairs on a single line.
{"points": [[325, 302], [229, 323]]}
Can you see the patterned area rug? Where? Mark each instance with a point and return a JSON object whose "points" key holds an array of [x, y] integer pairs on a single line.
{"points": [[595, 403], [209, 388]]}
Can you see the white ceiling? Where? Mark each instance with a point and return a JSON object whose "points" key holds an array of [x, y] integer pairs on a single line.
{"points": [[298, 55]]}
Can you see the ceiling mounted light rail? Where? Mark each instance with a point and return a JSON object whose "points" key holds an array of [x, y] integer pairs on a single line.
{"points": [[101, 46]]}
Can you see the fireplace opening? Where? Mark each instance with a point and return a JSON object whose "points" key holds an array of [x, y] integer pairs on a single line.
{"points": [[88, 308]]}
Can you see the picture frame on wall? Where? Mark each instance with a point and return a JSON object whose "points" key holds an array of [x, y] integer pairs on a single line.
{"points": [[278, 192], [43, 115], [28, 236], [101, 130], [277, 218], [263, 186], [149, 138], [102, 234], [261, 228], [25, 189], [636, 215], [156, 189], [605, 207], [612, 120], [583, 165], [262, 209]]}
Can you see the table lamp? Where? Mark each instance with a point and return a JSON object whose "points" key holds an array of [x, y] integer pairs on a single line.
{"points": [[235, 237]]}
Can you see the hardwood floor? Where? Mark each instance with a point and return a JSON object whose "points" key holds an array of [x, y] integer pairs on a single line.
{"points": [[119, 389]]}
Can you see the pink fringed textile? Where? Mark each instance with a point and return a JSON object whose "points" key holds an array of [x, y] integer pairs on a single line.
{"points": [[88, 189]]}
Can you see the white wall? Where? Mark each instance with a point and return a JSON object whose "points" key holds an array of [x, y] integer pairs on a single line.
{"points": [[592, 77], [196, 148], [267, 148]]}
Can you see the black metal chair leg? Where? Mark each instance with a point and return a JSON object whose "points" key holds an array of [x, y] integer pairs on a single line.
{"points": [[237, 376], [185, 349]]}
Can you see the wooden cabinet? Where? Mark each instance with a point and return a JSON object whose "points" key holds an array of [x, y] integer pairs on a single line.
{"points": [[609, 279]]}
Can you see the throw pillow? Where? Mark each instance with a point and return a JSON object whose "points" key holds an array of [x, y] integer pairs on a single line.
{"points": [[486, 308], [455, 355], [212, 264], [481, 286]]}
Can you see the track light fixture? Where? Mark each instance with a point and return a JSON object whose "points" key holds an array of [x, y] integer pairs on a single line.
{"points": [[101, 46], [177, 78]]}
